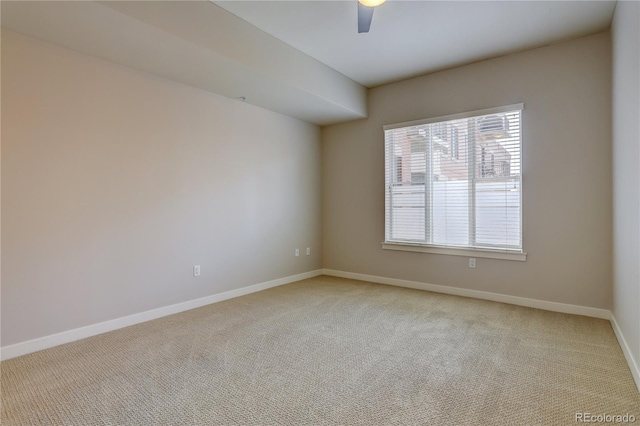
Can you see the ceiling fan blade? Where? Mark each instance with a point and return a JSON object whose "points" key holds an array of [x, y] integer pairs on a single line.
{"points": [[365, 15]]}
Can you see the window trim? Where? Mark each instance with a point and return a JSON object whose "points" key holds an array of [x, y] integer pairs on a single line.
{"points": [[486, 111], [515, 254], [455, 251]]}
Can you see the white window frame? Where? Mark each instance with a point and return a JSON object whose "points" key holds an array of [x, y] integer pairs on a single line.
{"points": [[508, 254]]}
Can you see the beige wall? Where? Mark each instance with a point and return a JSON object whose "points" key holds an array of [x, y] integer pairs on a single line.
{"points": [[116, 182], [566, 89], [625, 33]]}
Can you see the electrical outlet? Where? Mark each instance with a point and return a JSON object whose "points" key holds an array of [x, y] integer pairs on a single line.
{"points": [[308, 251], [196, 270], [472, 263], [297, 252]]}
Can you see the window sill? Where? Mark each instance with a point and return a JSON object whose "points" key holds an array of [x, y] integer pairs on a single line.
{"points": [[467, 252]]}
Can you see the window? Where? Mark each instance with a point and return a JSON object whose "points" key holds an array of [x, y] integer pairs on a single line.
{"points": [[460, 186], [455, 149]]}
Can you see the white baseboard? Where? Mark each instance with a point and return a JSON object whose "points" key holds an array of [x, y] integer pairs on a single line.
{"points": [[476, 294], [45, 342], [41, 343], [633, 364]]}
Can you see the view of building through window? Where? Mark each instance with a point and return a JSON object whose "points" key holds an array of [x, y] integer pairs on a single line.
{"points": [[456, 182]]}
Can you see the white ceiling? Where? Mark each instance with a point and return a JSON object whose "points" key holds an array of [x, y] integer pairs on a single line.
{"points": [[410, 38], [300, 58]]}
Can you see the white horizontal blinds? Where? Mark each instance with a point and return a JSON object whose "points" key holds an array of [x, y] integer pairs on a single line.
{"points": [[455, 183], [405, 177], [497, 181]]}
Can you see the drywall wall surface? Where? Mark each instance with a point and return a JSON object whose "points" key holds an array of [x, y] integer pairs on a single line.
{"points": [[197, 43], [116, 182], [625, 33], [566, 91]]}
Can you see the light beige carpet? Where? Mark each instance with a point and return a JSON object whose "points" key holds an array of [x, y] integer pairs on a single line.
{"points": [[329, 351]]}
